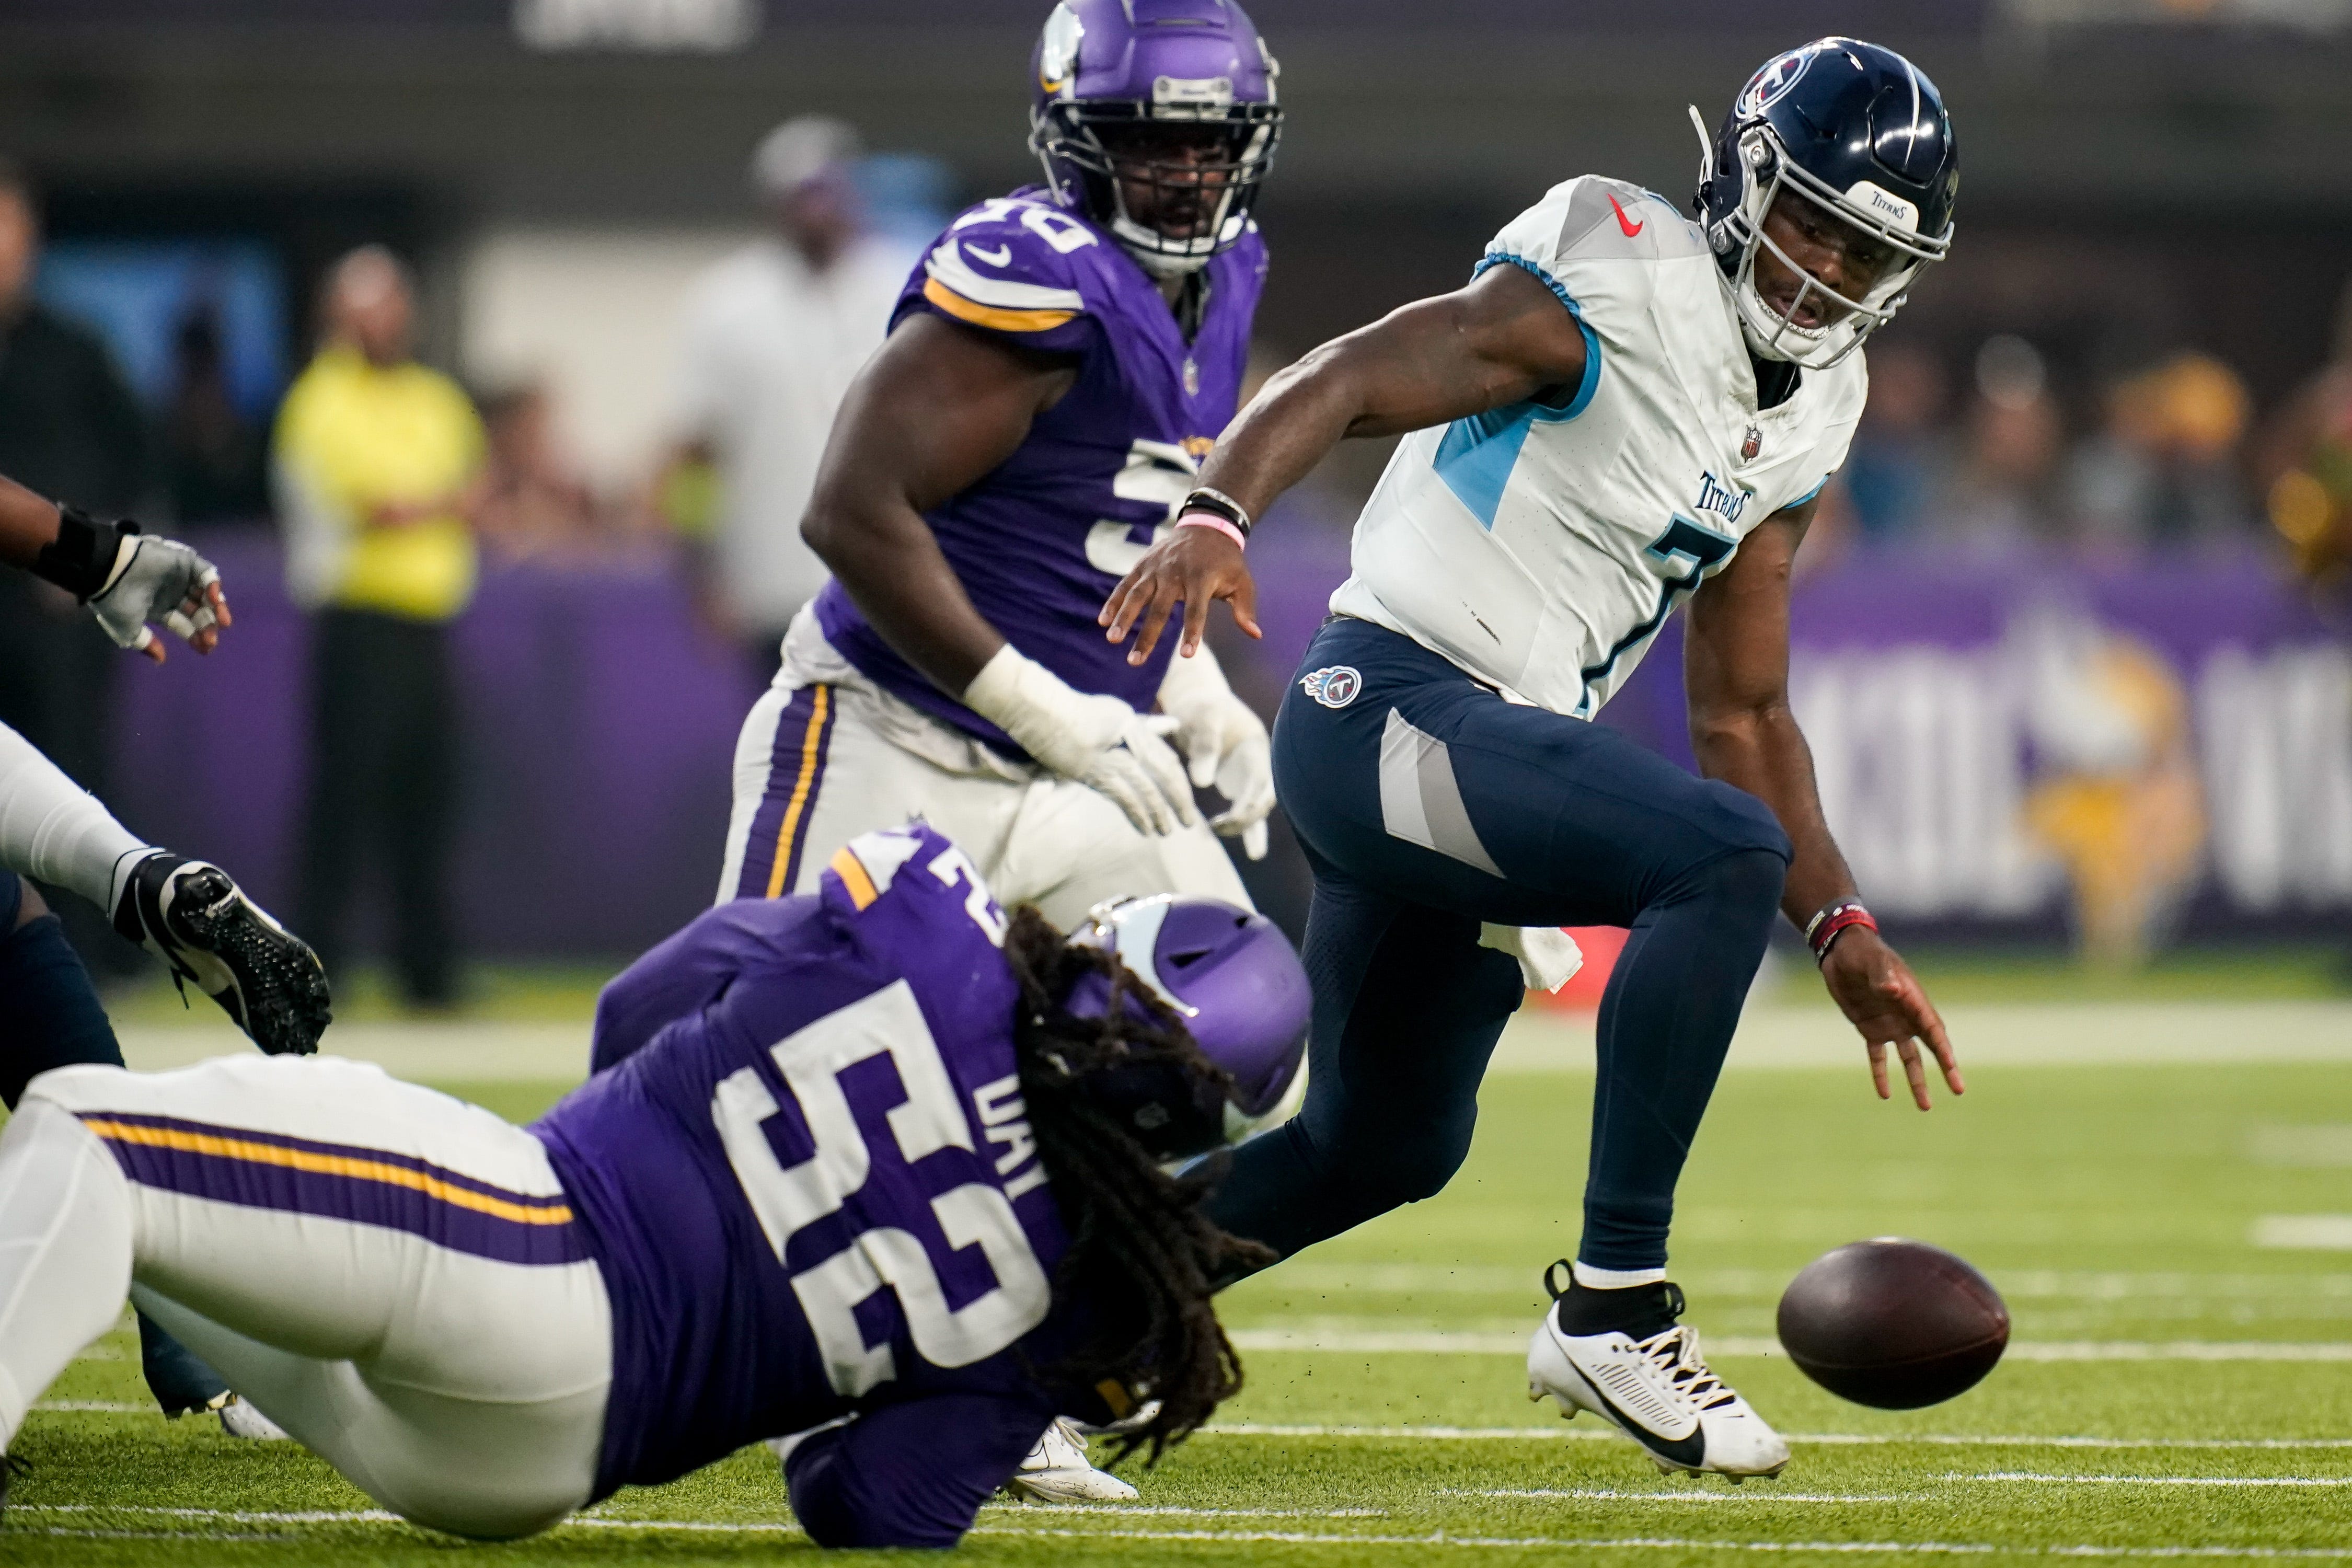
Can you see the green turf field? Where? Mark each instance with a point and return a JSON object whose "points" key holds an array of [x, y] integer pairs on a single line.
{"points": [[2177, 1388]]}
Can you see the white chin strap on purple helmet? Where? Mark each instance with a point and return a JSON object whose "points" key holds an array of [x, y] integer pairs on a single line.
{"points": [[1230, 976]]}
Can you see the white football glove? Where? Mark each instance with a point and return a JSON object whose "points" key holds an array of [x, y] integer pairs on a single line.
{"points": [[1224, 742], [154, 579], [1099, 740]]}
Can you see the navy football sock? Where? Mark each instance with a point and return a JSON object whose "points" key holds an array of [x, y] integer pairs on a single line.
{"points": [[1665, 1023], [49, 1013], [1638, 1310], [178, 1379]]}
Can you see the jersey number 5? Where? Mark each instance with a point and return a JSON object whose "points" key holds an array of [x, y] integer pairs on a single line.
{"points": [[788, 1199]]}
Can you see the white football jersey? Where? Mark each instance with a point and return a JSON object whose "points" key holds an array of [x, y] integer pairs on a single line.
{"points": [[1541, 545]]}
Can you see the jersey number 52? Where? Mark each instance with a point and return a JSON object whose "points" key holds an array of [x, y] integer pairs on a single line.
{"points": [[788, 1199]]}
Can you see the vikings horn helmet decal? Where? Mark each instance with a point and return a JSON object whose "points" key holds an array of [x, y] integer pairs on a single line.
{"points": [[1232, 977], [1115, 83], [1858, 131]]}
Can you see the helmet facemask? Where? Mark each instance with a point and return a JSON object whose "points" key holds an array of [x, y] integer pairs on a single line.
{"points": [[1772, 332], [1081, 144]]}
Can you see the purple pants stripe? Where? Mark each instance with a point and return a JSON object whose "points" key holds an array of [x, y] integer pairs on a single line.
{"points": [[342, 1181], [772, 857]]}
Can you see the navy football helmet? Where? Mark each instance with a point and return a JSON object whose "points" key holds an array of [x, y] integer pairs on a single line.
{"points": [[1858, 131], [1108, 75]]}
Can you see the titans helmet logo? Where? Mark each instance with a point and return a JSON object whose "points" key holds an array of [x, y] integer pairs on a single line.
{"points": [[1765, 87]]}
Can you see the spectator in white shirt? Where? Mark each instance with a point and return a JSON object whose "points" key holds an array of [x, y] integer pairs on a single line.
{"points": [[774, 334]]}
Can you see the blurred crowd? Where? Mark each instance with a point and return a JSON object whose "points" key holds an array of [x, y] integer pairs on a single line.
{"points": [[1991, 455]]}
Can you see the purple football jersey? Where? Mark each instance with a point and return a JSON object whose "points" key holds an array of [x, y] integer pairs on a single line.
{"points": [[1041, 541], [805, 1174]]}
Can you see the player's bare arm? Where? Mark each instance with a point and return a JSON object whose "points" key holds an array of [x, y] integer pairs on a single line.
{"points": [[126, 578], [938, 408], [1735, 671], [1503, 339]]}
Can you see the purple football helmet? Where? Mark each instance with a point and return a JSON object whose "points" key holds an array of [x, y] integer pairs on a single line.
{"points": [[1156, 119], [1232, 977]]}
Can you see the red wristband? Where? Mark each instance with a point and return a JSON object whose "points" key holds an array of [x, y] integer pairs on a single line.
{"points": [[1824, 927], [1211, 520]]}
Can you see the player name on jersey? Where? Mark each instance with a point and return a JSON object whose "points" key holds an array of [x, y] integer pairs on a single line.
{"points": [[806, 1175]]}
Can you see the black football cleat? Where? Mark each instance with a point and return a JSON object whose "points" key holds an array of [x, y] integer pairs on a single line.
{"points": [[193, 917]]}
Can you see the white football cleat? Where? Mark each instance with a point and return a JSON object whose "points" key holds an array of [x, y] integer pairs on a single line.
{"points": [[240, 1419], [1658, 1392], [1057, 1472]]}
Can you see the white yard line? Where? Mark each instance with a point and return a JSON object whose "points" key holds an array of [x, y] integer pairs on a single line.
{"points": [[1294, 1538], [1873, 1440], [110, 1406], [1453, 1342], [2006, 1035], [1766, 1284], [1130, 1510], [1761, 1494], [2165, 1481], [1674, 1544]]}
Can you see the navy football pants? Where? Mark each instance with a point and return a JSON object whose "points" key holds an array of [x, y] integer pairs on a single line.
{"points": [[1428, 805]]}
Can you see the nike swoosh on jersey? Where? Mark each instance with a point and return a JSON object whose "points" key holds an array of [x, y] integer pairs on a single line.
{"points": [[1628, 225], [1003, 253]]}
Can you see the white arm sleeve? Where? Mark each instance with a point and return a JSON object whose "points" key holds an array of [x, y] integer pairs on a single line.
{"points": [[55, 831]]}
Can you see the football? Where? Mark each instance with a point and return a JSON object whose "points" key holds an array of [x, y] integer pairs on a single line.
{"points": [[1893, 1323]]}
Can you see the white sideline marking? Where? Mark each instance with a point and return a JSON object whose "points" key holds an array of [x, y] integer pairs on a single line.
{"points": [[1449, 1342], [1130, 1510], [2166, 1480], [2305, 1232], [113, 1407], [2010, 1035], [2322, 1145], [1766, 1284], [1674, 1544], [1606, 1494], [1280, 1537], [1944, 1439]]}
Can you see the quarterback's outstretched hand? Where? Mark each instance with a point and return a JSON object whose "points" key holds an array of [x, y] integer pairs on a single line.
{"points": [[157, 579], [1099, 740], [1877, 991], [1193, 566], [1224, 744]]}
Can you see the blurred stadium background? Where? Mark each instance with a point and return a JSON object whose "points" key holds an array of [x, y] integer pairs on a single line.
{"points": [[2071, 645]]}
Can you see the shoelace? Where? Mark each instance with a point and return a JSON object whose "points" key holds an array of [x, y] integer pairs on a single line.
{"points": [[1675, 1352]]}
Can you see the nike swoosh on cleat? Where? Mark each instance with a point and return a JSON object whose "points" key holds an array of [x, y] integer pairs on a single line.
{"points": [[1685, 1452], [1628, 225], [1003, 254]]}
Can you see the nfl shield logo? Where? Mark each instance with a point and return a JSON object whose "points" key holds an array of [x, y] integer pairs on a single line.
{"points": [[1191, 379], [1753, 444], [1334, 686]]}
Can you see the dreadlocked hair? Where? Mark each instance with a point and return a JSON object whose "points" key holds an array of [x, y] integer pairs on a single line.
{"points": [[1138, 1237]]}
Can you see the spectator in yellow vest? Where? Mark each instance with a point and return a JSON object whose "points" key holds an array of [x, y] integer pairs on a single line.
{"points": [[377, 466]]}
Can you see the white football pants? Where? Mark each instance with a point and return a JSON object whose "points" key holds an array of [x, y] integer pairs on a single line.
{"points": [[827, 755], [392, 1276]]}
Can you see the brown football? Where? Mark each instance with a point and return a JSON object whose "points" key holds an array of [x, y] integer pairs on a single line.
{"points": [[1893, 1323]]}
